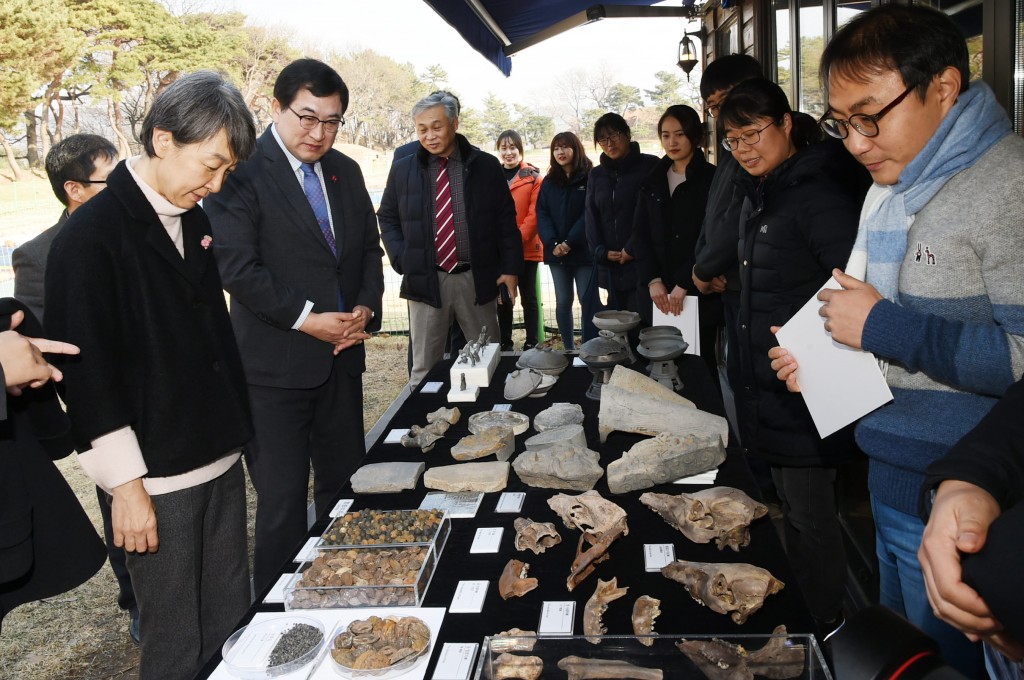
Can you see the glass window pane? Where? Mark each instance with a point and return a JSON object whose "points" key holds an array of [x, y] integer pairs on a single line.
{"points": [[812, 44], [784, 49]]}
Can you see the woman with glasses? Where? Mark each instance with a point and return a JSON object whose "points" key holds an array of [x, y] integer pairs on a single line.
{"points": [[611, 206], [669, 214], [797, 222], [524, 183], [560, 223]]}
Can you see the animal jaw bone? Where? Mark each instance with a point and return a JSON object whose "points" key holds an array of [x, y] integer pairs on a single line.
{"points": [[535, 536], [593, 626], [513, 581], [601, 522], [579, 668], [719, 660], [645, 610], [720, 513], [735, 589], [508, 666]]}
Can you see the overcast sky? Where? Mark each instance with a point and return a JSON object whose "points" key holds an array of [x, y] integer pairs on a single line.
{"points": [[410, 31]]}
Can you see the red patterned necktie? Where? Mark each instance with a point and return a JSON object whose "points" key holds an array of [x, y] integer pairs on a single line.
{"points": [[444, 241]]}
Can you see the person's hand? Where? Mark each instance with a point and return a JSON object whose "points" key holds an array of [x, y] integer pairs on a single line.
{"points": [[133, 518], [353, 326], [511, 282], [784, 365], [625, 257], [959, 522], [659, 296], [335, 327], [614, 255], [845, 311], [675, 300], [22, 358], [561, 249], [715, 285]]}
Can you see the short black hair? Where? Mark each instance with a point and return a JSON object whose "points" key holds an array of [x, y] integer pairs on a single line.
{"points": [[610, 122], [917, 41], [689, 119], [195, 108], [728, 71], [760, 98], [74, 159], [309, 74]]}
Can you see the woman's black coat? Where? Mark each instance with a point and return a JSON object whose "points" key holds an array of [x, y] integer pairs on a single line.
{"points": [[560, 217]]}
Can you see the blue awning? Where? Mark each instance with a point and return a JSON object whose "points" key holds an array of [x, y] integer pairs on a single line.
{"points": [[498, 29]]}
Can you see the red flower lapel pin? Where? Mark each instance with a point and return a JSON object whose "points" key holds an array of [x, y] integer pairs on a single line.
{"points": [[205, 243]]}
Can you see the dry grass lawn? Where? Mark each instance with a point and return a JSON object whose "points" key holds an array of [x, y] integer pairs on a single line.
{"points": [[82, 635]]}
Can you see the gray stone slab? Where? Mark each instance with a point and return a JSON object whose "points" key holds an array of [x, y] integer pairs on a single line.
{"points": [[567, 435], [559, 467], [558, 416], [486, 477], [386, 477], [664, 458]]}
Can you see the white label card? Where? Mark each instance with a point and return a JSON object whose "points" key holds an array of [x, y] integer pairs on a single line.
{"points": [[502, 407], [657, 555], [487, 540], [462, 504], [556, 618], [276, 593], [432, 387], [510, 501], [455, 662], [576, 361], [469, 597], [341, 507], [308, 551], [395, 436]]}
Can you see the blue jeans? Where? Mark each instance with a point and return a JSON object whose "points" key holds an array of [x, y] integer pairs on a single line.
{"points": [[563, 276], [902, 589]]}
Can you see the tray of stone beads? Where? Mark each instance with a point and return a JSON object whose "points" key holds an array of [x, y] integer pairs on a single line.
{"points": [[367, 576], [387, 528]]}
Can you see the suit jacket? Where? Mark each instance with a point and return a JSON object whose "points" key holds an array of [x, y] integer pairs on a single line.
{"points": [[29, 262], [158, 353], [273, 258], [47, 543]]}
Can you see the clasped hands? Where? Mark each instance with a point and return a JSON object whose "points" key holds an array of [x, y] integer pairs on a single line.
{"points": [[845, 312], [619, 256], [667, 303], [561, 249], [341, 329], [715, 285]]}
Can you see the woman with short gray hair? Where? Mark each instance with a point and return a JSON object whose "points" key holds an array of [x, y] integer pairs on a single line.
{"points": [[157, 399]]}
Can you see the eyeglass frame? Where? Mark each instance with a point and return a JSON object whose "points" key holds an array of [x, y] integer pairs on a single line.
{"points": [[609, 138], [847, 123], [713, 109], [729, 147], [86, 181], [337, 123]]}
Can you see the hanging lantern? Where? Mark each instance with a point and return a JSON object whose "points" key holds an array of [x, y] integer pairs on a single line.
{"points": [[688, 57]]}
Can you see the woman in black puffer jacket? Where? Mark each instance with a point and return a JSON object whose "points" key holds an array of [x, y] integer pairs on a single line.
{"points": [[798, 222]]}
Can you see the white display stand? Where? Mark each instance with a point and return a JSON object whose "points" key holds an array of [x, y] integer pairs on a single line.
{"points": [[479, 375]]}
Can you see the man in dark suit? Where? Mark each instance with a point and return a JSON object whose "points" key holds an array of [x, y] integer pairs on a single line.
{"points": [[298, 249], [77, 168]]}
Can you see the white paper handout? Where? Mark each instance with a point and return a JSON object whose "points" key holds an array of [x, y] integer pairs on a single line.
{"points": [[839, 383], [687, 322]]}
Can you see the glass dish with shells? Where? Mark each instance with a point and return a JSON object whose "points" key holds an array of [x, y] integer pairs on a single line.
{"points": [[378, 647]]}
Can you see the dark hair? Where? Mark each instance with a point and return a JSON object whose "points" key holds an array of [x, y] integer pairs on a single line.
{"points": [[512, 136], [74, 158], [918, 41], [580, 162], [689, 119], [309, 74], [195, 108], [728, 71], [760, 98], [610, 122]]}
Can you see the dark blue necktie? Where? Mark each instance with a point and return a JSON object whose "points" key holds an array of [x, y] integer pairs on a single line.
{"points": [[317, 201]]}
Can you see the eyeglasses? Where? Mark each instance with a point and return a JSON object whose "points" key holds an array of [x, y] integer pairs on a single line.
{"points": [[712, 108], [87, 181], [310, 122], [866, 125], [609, 138], [750, 137]]}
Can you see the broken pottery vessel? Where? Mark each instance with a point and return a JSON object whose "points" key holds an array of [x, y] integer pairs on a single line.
{"points": [[498, 441], [478, 422], [559, 467], [645, 610], [513, 581], [521, 383], [664, 458], [632, 402], [720, 660], [557, 416], [535, 536], [737, 589], [721, 513], [488, 476], [593, 626]]}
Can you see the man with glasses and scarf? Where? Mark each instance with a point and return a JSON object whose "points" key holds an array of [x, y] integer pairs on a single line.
{"points": [[298, 249], [949, 330]]}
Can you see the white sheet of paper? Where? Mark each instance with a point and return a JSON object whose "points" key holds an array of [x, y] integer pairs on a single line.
{"points": [[839, 384], [487, 540], [455, 661], [657, 555], [395, 436], [556, 618], [687, 323], [510, 501], [469, 597]]}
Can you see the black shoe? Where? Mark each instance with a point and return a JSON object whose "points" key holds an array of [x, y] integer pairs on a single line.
{"points": [[133, 628]]}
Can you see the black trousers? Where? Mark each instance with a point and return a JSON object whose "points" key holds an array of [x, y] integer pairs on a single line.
{"points": [[322, 426], [531, 308], [814, 538]]}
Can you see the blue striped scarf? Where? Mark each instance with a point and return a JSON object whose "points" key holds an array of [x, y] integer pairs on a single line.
{"points": [[974, 124]]}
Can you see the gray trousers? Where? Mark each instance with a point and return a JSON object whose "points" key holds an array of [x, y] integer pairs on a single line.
{"points": [[195, 588], [428, 325]]}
